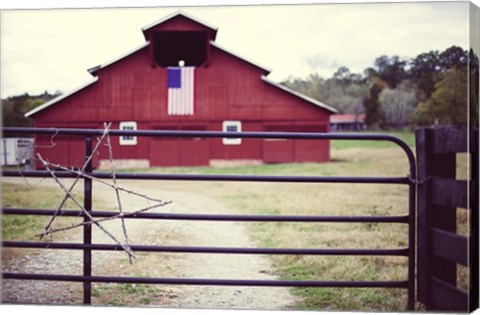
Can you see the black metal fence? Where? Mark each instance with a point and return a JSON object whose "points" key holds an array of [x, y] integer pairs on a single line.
{"points": [[87, 247]]}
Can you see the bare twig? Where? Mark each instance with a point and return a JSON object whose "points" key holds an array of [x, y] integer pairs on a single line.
{"points": [[69, 195], [83, 175], [105, 133], [117, 193], [120, 215]]}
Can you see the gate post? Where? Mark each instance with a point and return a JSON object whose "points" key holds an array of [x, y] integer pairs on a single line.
{"points": [[474, 222], [431, 215], [87, 228]]}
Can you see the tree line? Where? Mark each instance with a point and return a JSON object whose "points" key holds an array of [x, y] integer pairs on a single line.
{"points": [[431, 88], [15, 107]]}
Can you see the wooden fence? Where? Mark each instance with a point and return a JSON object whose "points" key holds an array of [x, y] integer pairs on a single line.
{"points": [[439, 248]]}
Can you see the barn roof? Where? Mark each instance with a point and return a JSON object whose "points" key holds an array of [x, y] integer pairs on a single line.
{"points": [[214, 44], [93, 71], [60, 97], [300, 95], [145, 29]]}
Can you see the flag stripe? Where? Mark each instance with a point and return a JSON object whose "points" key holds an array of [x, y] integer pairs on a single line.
{"points": [[181, 90]]}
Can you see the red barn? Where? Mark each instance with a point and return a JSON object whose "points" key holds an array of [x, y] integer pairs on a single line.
{"points": [[181, 79]]}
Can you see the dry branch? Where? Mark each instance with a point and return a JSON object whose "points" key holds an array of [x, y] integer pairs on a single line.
{"points": [[117, 193], [81, 174], [105, 133], [45, 164], [120, 215]]}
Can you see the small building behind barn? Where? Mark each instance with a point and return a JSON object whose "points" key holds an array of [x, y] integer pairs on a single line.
{"points": [[181, 79], [348, 122]]}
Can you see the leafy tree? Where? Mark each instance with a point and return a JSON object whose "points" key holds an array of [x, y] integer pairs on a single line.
{"points": [[362, 93], [474, 88], [427, 69], [397, 105], [31, 103], [453, 57], [15, 107], [372, 104], [391, 70], [344, 91], [424, 72], [448, 104], [342, 73], [345, 77]]}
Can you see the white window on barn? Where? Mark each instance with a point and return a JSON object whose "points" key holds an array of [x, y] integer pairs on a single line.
{"points": [[232, 126], [128, 140]]}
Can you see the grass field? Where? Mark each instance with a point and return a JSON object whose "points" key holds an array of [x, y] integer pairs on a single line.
{"points": [[349, 158], [15, 227], [407, 137]]}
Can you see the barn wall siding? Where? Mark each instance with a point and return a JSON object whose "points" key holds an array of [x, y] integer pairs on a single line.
{"points": [[226, 88], [124, 96]]}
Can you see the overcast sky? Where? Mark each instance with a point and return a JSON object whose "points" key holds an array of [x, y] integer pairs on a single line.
{"points": [[52, 49]]}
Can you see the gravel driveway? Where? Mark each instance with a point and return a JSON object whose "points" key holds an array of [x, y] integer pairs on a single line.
{"points": [[187, 233]]}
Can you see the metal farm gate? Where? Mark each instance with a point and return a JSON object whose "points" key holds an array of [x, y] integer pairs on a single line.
{"points": [[87, 247]]}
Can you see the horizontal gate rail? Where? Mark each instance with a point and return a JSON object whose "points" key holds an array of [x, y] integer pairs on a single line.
{"points": [[215, 282], [210, 134], [87, 247], [215, 134], [220, 178], [213, 250], [216, 217]]}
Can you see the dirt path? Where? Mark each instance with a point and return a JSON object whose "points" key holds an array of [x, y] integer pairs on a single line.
{"points": [[186, 233]]}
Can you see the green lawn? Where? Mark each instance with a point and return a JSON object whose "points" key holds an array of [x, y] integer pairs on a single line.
{"points": [[407, 137], [21, 227]]}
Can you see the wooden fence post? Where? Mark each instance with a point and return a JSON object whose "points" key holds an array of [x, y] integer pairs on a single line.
{"points": [[474, 222], [439, 248]]}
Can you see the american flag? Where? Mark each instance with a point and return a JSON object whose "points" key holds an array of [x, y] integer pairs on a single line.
{"points": [[180, 90]]}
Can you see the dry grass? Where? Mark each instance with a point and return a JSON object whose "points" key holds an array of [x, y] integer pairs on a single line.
{"points": [[24, 228], [328, 199], [15, 195], [325, 199]]}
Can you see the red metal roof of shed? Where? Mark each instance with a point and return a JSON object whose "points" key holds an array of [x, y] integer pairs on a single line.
{"points": [[347, 118]]}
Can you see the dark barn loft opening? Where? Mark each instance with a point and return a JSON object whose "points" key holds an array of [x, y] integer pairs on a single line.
{"points": [[169, 47]]}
